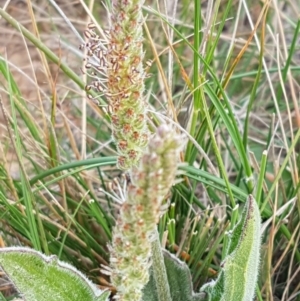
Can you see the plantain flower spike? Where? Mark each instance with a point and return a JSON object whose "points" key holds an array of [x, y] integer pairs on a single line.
{"points": [[116, 65], [125, 85], [133, 233]]}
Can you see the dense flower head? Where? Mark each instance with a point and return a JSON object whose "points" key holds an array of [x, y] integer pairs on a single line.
{"points": [[120, 62], [132, 236]]}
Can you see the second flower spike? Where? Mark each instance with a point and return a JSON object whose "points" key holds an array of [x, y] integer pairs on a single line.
{"points": [[134, 230]]}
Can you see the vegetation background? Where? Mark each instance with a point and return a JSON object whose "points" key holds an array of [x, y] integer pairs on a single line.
{"points": [[236, 100]]}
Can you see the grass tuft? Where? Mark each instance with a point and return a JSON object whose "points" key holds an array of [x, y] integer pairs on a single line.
{"points": [[224, 74]]}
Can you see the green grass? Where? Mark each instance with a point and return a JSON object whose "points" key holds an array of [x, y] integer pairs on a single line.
{"points": [[232, 89]]}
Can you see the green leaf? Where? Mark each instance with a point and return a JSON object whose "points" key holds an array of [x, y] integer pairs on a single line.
{"points": [[180, 282], [39, 277], [238, 276]]}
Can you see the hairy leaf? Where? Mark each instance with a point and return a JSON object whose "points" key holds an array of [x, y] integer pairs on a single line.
{"points": [[180, 282], [45, 278], [239, 272]]}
